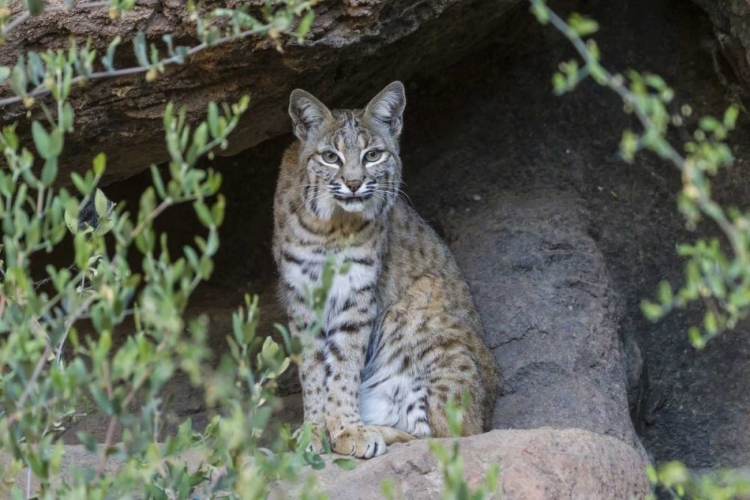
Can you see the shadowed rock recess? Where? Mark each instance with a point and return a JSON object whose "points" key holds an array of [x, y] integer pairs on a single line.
{"points": [[124, 115], [559, 239]]}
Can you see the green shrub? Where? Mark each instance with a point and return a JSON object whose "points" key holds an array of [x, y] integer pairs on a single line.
{"points": [[52, 373]]}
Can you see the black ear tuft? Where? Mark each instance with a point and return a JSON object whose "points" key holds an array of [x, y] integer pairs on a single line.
{"points": [[388, 107], [307, 113]]}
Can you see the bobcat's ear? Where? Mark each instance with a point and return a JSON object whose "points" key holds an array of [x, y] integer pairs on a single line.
{"points": [[307, 113], [388, 107]]}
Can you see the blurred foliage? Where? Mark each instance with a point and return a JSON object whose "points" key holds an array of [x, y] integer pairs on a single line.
{"points": [[59, 362], [714, 277]]}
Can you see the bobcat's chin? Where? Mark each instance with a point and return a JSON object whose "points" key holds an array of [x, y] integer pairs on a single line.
{"points": [[353, 204]]}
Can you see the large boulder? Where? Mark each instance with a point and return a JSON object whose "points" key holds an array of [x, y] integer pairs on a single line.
{"points": [[550, 313], [354, 48], [534, 464]]}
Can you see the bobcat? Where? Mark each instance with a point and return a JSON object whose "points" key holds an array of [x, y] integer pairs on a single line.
{"points": [[400, 334]]}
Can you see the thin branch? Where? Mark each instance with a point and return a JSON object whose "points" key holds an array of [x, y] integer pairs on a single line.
{"points": [[35, 375], [113, 420], [150, 217], [27, 15], [107, 443], [70, 322], [177, 59]]}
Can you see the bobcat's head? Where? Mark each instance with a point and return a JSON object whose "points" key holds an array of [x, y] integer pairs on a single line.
{"points": [[349, 157]]}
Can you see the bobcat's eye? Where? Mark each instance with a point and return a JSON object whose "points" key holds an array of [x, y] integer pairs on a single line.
{"points": [[330, 157], [373, 155]]}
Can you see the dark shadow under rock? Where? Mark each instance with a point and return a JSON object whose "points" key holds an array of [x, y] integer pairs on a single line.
{"points": [[550, 314]]}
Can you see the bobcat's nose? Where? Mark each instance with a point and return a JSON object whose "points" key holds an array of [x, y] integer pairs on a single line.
{"points": [[353, 185]]}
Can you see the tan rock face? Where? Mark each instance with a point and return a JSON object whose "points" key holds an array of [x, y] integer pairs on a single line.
{"points": [[534, 464]]}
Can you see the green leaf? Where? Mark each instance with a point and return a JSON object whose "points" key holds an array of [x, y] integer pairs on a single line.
{"points": [[213, 119], [709, 123], [56, 143], [71, 221], [203, 213], [82, 249], [139, 47], [314, 460], [673, 473], [100, 164], [540, 11], [4, 73], [35, 7], [102, 400], [730, 116], [628, 146], [68, 117], [41, 139], [583, 26], [653, 312], [710, 323], [158, 182], [217, 211], [101, 203], [696, 339], [18, 80], [559, 83], [17, 494], [304, 25], [83, 186], [345, 463], [665, 294], [108, 59], [88, 441], [49, 172]]}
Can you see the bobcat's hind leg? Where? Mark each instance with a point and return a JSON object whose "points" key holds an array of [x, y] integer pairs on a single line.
{"points": [[421, 358], [395, 388]]}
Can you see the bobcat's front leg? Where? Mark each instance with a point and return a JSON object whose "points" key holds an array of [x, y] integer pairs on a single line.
{"points": [[312, 376], [346, 346]]}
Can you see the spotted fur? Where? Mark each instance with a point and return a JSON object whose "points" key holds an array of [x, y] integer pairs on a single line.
{"points": [[400, 333]]}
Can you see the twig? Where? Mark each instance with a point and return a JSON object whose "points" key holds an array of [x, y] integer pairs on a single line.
{"points": [[27, 15], [150, 217], [107, 442], [113, 421], [43, 90], [69, 324], [35, 375]]}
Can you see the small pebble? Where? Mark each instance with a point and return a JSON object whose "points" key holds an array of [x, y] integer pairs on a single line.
{"points": [[476, 197]]}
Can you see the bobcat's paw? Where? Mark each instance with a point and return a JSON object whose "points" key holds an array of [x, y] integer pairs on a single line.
{"points": [[361, 441], [316, 440]]}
